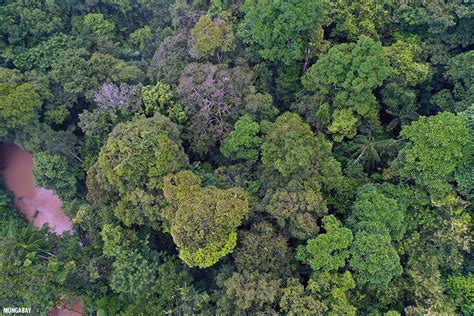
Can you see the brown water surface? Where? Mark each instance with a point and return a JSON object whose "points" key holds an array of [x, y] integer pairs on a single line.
{"points": [[39, 206], [74, 309]]}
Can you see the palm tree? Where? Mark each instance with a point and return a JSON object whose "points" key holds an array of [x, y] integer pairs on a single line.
{"points": [[32, 239], [368, 149]]}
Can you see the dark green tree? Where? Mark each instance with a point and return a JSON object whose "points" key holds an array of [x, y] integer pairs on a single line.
{"points": [[54, 172], [131, 167], [280, 30], [346, 77], [374, 259]]}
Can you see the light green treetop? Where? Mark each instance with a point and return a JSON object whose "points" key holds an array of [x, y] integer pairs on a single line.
{"points": [[243, 142], [327, 251], [203, 220], [435, 147]]}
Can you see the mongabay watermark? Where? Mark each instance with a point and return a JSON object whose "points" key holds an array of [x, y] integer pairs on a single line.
{"points": [[17, 310]]}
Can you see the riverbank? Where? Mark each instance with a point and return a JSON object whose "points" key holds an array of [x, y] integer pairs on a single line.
{"points": [[38, 205]]}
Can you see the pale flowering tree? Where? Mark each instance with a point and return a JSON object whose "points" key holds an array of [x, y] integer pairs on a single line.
{"points": [[123, 97], [115, 104], [213, 95]]}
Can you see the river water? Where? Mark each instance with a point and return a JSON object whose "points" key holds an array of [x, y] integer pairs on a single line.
{"points": [[38, 205]]}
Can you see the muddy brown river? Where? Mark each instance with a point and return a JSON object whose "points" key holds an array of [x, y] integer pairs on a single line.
{"points": [[38, 205]]}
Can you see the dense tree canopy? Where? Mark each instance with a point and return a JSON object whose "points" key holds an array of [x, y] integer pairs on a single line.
{"points": [[374, 259], [238, 157], [203, 220], [435, 147], [379, 204], [212, 37], [325, 293], [243, 142], [131, 166], [280, 29], [346, 76], [288, 145], [18, 101], [213, 95], [328, 251]]}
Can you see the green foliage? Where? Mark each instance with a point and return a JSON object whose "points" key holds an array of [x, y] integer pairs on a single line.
{"points": [[405, 55], [423, 270], [150, 82], [27, 23], [442, 26], [288, 145], [281, 29], [96, 127], [346, 76], [458, 73], [28, 253], [107, 68], [44, 54], [326, 293], [262, 250], [160, 98], [243, 142], [139, 272], [117, 240], [70, 70], [356, 67], [155, 97], [248, 293], [260, 106], [435, 147], [400, 102], [146, 148], [295, 164], [288, 82], [374, 259], [344, 124], [296, 206], [97, 24], [462, 289], [132, 164], [378, 217], [464, 177], [203, 220], [327, 251], [361, 17], [211, 36], [134, 275], [141, 36], [468, 118], [53, 171], [378, 204], [190, 301], [19, 102], [370, 149]]}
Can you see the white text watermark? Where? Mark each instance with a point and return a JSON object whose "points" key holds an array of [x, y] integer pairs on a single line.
{"points": [[17, 310]]}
